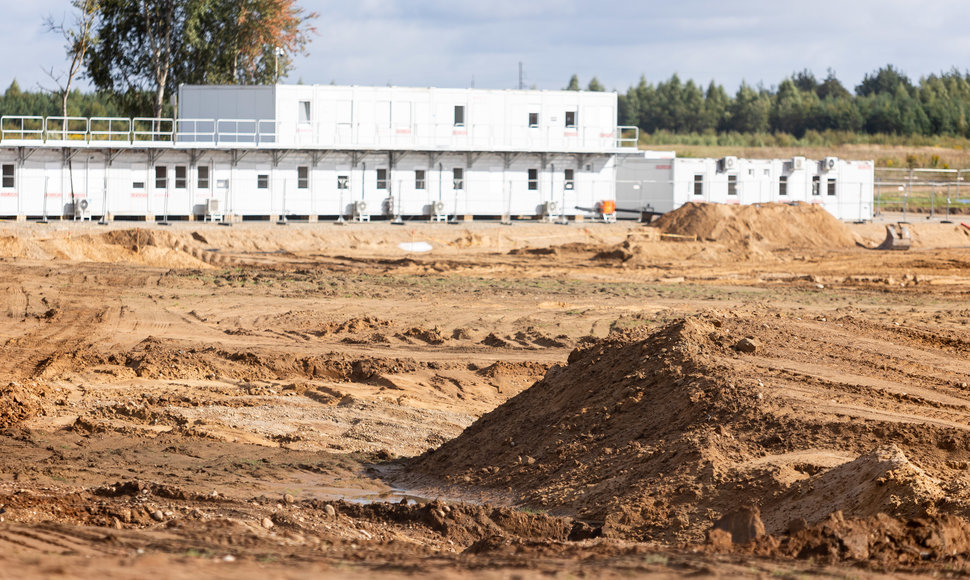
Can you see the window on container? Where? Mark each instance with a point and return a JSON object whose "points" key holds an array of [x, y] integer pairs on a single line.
{"points": [[698, 184], [161, 177], [262, 181], [459, 115], [570, 119], [381, 179], [343, 182], [533, 120], [732, 184], [831, 187], [816, 185], [304, 111], [303, 177], [8, 175], [181, 177], [138, 185], [458, 178], [419, 179], [783, 185], [203, 177], [570, 176], [533, 179]]}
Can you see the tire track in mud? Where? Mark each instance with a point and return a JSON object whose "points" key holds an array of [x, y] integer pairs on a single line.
{"points": [[52, 539]]}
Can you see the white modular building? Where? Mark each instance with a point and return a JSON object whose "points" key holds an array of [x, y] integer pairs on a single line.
{"points": [[321, 151], [658, 182]]}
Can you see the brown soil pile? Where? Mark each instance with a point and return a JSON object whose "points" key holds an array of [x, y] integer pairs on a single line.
{"points": [[880, 542], [658, 434], [770, 225]]}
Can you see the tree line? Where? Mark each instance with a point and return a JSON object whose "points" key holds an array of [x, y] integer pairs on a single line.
{"points": [[886, 102]]}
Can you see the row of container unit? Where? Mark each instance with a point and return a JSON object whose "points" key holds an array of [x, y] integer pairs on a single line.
{"points": [[305, 184], [402, 117], [660, 184]]}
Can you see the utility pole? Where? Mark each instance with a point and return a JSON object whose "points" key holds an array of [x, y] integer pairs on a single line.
{"points": [[521, 77]]}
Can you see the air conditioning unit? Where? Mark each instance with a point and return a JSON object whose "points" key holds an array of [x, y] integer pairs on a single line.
{"points": [[82, 210], [729, 163], [360, 208], [438, 207], [212, 206], [830, 163], [798, 164], [550, 209]]}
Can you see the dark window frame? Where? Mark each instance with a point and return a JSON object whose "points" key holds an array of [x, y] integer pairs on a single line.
{"points": [[816, 185], [420, 179], [9, 172], [732, 184], [302, 177], [203, 177], [831, 187], [262, 181], [783, 186], [569, 175], [181, 177], [382, 178], [343, 182], [458, 178], [571, 119], [161, 177], [533, 180], [698, 184], [533, 120], [459, 115]]}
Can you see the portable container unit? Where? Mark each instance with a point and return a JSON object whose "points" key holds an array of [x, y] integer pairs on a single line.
{"points": [[399, 118], [308, 151], [659, 184]]}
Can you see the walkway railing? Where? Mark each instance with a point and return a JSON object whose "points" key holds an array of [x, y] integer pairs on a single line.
{"points": [[147, 132]]}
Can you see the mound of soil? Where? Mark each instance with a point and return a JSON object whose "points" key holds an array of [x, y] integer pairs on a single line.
{"points": [[657, 434], [770, 225]]}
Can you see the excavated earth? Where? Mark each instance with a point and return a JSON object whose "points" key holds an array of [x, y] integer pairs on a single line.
{"points": [[728, 392]]}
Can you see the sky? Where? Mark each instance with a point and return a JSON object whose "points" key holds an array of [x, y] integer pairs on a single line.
{"points": [[461, 43]]}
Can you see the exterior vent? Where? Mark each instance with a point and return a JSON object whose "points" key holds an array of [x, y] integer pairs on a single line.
{"points": [[729, 163], [82, 210], [830, 163], [798, 164]]}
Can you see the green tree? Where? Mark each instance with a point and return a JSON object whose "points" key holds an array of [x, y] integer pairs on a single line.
{"points": [[885, 80], [791, 108], [832, 87], [628, 106], [573, 83], [716, 102], [749, 111], [595, 86], [144, 49]]}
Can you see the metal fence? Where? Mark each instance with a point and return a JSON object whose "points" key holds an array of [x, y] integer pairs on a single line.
{"points": [[930, 192], [140, 132]]}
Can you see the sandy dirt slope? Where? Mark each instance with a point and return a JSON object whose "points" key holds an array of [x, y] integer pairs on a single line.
{"points": [[257, 401]]}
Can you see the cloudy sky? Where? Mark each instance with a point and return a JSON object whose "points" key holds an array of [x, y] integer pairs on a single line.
{"points": [[458, 43]]}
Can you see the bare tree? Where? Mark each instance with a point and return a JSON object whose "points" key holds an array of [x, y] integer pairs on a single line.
{"points": [[78, 40]]}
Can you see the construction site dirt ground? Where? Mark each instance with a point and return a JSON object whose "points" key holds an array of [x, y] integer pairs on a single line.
{"points": [[534, 400]]}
